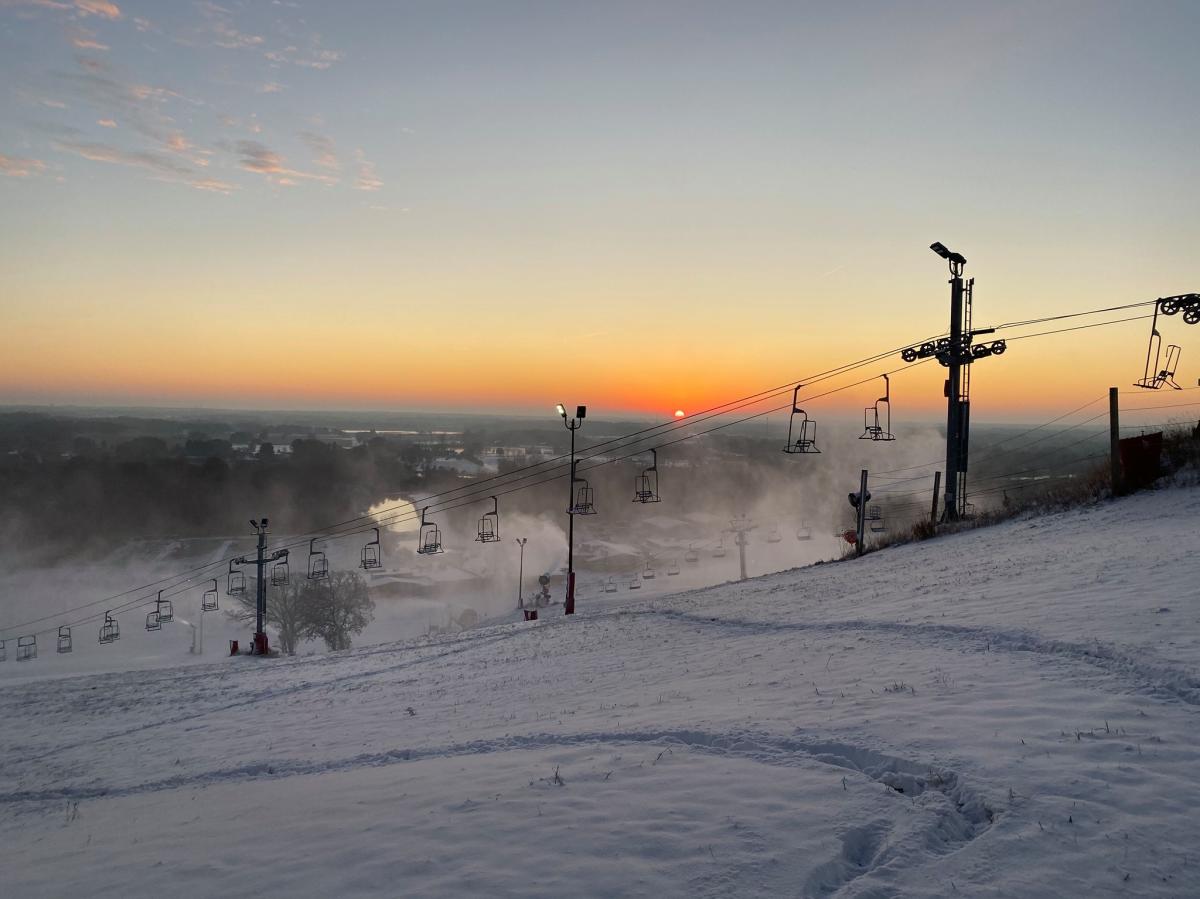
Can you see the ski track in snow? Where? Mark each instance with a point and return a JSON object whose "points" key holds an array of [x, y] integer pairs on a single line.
{"points": [[1155, 678]]}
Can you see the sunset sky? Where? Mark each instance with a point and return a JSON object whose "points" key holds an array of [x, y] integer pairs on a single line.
{"points": [[644, 206]]}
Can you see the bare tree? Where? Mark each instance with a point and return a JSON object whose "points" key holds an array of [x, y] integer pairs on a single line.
{"points": [[288, 611], [340, 606]]}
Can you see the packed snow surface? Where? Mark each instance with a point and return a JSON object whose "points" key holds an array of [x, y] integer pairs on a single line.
{"points": [[1012, 711]]}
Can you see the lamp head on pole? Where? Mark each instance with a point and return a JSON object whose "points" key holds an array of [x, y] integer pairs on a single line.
{"points": [[562, 410], [956, 260]]}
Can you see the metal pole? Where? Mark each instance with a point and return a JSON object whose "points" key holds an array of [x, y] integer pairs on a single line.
{"points": [[937, 480], [862, 513], [261, 590], [741, 542], [569, 605], [521, 575], [1114, 442], [953, 388]]}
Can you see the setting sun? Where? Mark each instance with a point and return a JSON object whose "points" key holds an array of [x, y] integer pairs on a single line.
{"points": [[679, 413]]}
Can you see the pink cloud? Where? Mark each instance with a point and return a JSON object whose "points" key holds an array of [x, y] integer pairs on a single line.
{"points": [[20, 166], [367, 179], [106, 123]]}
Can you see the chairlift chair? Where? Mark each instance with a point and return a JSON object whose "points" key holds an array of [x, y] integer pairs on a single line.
{"points": [[64, 639], [635, 582], [110, 630], [27, 648], [1160, 372], [166, 611], [237, 582], [318, 565], [3, 651], [877, 526], [876, 427], [804, 532], [610, 586], [153, 622], [489, 524], [280, 576], [208, 602], [648, 571], [584, 503], [719, 552], [773, 536], [874, 513], [673, 568], [429, 537], [645, 485], [370, 554], [691, 555], [802, 435]]}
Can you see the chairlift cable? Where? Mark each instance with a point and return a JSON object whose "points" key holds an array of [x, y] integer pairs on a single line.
{"points": [[188, 575]]}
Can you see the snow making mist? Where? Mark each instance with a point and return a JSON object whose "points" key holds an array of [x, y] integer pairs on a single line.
{"points": [[468, 581]]}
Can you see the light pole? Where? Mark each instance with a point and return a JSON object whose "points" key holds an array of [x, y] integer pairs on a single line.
{"points": [[521, 541], [573, 425]]}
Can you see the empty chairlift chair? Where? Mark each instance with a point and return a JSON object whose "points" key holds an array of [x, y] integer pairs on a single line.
{"points": [[673, 568], [1160, 372], [874, 518], [877, 423], [370, 554], [318, 565], [237, 582], [27, 648], [610, 586], [691, 556], [489, 524], [280, 575], [773, 535], [166, 611], [802, 433], [583, 503], [645, 485], [719, 552], [648, 572], [110, 630], [208, 603], [804, 532], [635, 582], [64, 639], [429, 537]]}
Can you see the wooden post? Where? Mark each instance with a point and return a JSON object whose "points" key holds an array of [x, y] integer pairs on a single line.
{"points": [[862, 512], [937, 482], [1114, 442]]}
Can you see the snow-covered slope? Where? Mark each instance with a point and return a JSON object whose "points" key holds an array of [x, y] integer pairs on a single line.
{"points": [[1012, 712]]}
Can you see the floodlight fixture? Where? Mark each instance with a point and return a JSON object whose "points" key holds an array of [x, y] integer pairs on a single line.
{"points": [[947, 254], [581, 411], [562, 410]]}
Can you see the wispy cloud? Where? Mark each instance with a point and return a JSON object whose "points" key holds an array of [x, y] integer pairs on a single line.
{"points": [[20, 166], [324, 152], [100, 8], [271, 87], [85, 40], [255, 157], [106, 123], [367, 178], [161, 165]]}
